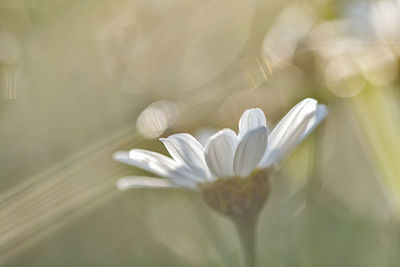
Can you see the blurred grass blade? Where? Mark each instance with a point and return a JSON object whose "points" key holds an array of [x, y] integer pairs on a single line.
{"points": [[377, 111]]}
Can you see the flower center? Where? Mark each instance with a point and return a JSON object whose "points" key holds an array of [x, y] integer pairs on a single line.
{"points": [[238, 197]]}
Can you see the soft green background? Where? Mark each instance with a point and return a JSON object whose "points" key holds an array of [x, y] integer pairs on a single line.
{"points": [[76, 75]]}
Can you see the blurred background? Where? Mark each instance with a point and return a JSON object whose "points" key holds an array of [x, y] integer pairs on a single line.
{"points": [[81, 79]]}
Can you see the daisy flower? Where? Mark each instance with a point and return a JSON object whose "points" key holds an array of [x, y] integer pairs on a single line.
{"points": [[226, 154], [231, 170]]}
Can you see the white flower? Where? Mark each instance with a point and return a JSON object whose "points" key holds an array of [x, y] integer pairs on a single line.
{"points": [[225, 154]]}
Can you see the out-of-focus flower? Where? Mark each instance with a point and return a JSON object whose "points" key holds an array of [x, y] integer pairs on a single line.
{"points": [[203, 134], [154, 120], [286, 33], [226, 155], [385, 21]]}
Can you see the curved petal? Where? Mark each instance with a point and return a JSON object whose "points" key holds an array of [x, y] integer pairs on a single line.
{"points": [[159, 165], [298, 136], [289, 131], [220, 151], [147, 160], [251, 119], [319, 115], [186, 149], [142, 182], [250, 151]]}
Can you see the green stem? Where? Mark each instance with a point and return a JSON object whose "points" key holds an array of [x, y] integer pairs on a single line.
{"points": [[246, 230]]}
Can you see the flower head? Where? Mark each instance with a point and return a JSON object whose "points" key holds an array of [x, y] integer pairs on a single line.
{"points": [[226, 154], [231, 171]]}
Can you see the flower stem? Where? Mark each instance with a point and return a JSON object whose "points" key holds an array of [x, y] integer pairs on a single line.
{"points": [[246, 230]]}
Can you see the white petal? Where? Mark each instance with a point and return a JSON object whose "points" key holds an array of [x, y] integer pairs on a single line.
{"points": [[142, 182], [186, 149], [147, 160], [220, 151], [185, 178], [251, 119], [298, 136], [289, 131], [250, 151], [159, 165], [319, 115]]}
